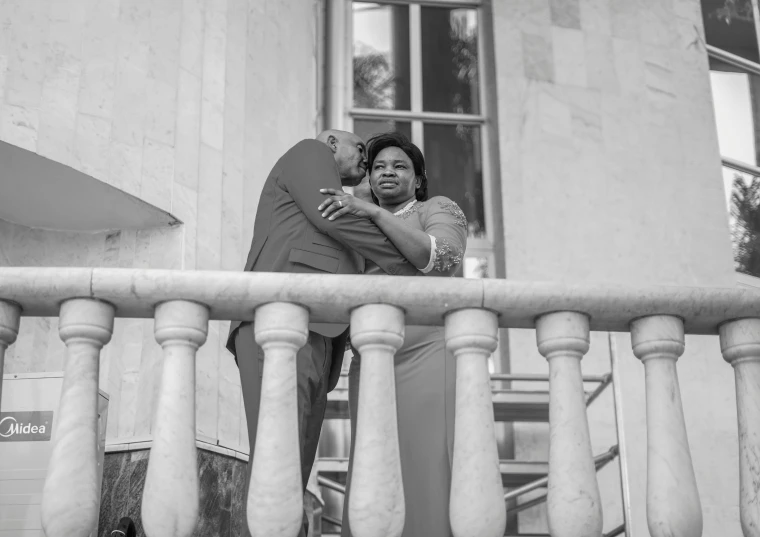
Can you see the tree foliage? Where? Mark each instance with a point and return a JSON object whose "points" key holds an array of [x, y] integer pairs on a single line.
{"points": [[373, 81], [732, 10], [464, 48], [745, 211]]}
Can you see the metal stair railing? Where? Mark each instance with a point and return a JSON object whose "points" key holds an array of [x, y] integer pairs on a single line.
{"points": [[617, 531], [611, 378], [600, 461], [603, 380], [330, 484], [617, 401]]}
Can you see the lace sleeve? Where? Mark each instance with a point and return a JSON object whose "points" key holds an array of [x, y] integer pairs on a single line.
{"points": [[447, 226]]}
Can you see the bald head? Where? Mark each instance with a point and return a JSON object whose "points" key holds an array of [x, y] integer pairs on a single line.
{"points": [[325, 136], [349, 152]]}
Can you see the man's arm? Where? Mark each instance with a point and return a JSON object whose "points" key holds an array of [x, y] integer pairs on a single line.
{"points": [[309, 166]]}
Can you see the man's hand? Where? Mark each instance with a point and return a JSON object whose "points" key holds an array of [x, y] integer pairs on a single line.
{"points": [[363, 190], [339, 203]]}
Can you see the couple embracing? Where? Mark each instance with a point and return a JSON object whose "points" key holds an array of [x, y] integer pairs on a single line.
{"points": [[305, 223]]}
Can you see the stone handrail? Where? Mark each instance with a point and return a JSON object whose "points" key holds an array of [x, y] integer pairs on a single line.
{"points": [[330, 298], [182, 303]]}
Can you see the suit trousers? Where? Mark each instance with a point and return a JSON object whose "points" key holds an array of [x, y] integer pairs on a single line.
{"points": [[313, 363]]}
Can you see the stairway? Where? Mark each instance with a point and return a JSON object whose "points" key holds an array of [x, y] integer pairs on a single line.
{"points": [[509, 405]]}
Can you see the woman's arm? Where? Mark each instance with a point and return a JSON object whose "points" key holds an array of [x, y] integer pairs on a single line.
{"points": [[446, 223], [414, 245]]}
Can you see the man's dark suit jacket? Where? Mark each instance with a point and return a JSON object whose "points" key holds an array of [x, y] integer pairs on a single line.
{"points": [[290, 235]]}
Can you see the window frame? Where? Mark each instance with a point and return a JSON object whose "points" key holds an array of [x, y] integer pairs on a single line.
{"points": [[750, 68], [340, 112]]}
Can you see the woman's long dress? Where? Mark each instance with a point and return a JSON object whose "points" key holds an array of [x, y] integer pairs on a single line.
{"points": [[425, 383]]}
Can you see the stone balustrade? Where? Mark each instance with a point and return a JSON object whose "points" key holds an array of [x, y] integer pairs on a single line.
{"points": [[10, 318], [182, 302], [275, 499], [573, 505]]}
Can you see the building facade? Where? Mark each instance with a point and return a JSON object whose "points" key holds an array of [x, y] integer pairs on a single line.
{"points": [[581, 138]]}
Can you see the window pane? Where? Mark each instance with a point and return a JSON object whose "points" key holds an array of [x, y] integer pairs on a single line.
{"points": [[454, 169], [729, 25], [736, 99], [366, 128], [381, 56], [450, 60], [744, 206], [475, 267]]}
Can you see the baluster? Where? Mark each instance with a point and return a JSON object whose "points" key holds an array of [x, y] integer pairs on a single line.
{"points": [[476, 504], [573, 503], [275, 497], [10, 317], [740, 343], [673, 506], [376, 505], [71, 499], [170, 498]]}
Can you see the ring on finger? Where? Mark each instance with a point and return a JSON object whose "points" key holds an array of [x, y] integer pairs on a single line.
{"points": [[340, 204]]}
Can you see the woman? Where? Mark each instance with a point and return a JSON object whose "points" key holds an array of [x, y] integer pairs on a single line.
{"points": [[432, 235]]}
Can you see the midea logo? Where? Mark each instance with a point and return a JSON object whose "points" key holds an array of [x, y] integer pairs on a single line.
{"points": [[9, 426]]}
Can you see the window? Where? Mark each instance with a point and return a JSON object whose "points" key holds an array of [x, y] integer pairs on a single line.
{"points": [[731, 32], [416, 68]]}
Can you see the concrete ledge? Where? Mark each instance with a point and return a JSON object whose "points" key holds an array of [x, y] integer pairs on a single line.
{"points": [[118, 445]]}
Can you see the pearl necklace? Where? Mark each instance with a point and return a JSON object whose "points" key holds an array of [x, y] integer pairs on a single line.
{"points": [[406, 209]]}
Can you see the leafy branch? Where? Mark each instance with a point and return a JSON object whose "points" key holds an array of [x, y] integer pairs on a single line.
{"points": [[745, 210], [374, 82]]}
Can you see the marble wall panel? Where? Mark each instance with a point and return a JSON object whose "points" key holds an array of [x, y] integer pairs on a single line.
{"points": [[157, 174], [27, 42], [185, 104], [91, 144], [214, 66], [3, 72], [600, 63], [19, 125], [610, 173], [188, 129], [207, 384], [192, 32], [209, 234], [595, 17], [565, 13]]}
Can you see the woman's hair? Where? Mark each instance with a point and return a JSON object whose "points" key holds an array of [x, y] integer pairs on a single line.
{"points": [[395, 139]]}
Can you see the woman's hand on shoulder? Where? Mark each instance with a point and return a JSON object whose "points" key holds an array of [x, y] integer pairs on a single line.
{"points": [[339, 203]]}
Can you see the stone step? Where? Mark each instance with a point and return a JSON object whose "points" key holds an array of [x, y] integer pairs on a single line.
{"points": [[513, 473], [508, 405]]}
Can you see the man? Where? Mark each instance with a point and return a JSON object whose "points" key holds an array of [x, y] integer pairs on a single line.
{"points": [[290, 235]]}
